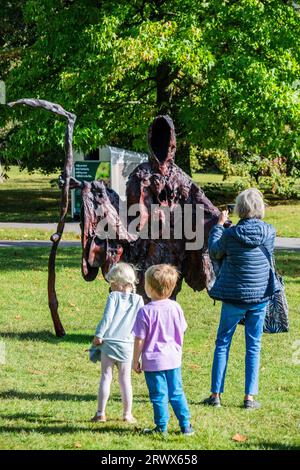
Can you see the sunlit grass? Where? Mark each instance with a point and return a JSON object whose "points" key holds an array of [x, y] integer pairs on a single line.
{"points": [[33, 234], [48, 386], [28, 197], [31, 198]]}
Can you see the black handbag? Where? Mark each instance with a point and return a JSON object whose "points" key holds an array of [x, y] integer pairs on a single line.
{"points": [[277, 312]]}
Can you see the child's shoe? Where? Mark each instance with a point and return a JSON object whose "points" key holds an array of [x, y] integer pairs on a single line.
{"points": [[130, 419], [156, 430], [188, 430], [99, 418]]}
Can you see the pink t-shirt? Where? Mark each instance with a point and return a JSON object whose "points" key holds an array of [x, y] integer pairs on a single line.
{"points": [[161, 324]]}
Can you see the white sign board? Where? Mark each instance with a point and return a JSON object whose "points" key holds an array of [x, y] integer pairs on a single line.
{"points": [[121, 162]]}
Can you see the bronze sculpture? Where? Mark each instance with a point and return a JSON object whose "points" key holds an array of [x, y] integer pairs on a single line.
{"points": [[159, 183], [56, 237]]}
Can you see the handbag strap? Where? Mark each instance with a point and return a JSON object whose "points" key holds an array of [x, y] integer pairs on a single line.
{"points": [[268, 256]]}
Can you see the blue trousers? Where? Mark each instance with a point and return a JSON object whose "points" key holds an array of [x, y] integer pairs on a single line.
{"points": [[165, 386], [231, 314]]}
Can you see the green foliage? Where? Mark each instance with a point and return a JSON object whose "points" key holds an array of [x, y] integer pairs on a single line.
{"points": [[227, 72], [282, 186], [15, 34]]}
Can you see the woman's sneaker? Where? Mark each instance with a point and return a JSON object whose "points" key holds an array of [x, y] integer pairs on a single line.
{"points": [[212, 401], [251, 405], [188, 430]]}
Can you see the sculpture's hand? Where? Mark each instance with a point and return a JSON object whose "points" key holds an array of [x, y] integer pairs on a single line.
{"points": [[74, 183], [61, 181]]}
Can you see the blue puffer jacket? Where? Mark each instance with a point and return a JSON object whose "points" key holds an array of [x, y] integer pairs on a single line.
{"points": [[244, 272]]}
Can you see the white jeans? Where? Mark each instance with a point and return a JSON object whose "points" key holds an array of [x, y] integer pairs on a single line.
{"points": [[124, 370]]}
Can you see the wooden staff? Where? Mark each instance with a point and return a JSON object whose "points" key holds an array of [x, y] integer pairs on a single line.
{"points": [[66, 175]]}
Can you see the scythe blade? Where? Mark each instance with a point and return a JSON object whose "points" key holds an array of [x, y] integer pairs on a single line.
{"points": [[56, 237]]}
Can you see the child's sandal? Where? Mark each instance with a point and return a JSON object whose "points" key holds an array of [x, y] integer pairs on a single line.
{"points": [[130, 419], [99, 418]]}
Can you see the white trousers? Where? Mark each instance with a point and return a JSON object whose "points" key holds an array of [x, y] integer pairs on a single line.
{"points": [[124, 372]]}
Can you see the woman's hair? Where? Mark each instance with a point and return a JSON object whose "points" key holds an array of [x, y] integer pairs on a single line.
{"points": [[162, 279], [123, 274], [250, 204]]}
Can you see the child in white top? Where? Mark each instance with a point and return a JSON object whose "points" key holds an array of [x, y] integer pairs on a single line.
{"points": [[113, 336]]}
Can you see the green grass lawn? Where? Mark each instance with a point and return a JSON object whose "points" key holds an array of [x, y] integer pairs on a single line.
{"points": [[30, 198], [284, 217], [48, 386], [33, 234]]}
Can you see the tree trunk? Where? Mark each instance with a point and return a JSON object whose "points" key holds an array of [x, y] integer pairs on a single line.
{"points": [[163, 81], [1, 174], [164, 78], [183, 156]]}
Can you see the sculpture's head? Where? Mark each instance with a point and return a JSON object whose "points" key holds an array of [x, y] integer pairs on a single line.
{"points": [[162, 143]]}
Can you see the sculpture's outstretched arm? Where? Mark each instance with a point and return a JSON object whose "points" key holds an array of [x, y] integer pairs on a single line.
{"points": [[73, 182], [198, 269]]}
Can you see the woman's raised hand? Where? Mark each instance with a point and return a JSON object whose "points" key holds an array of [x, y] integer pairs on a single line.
{"points": [[223, 217]]}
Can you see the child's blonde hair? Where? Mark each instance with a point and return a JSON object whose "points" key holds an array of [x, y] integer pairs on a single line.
{"points": [[162, 279], [123, 274]]}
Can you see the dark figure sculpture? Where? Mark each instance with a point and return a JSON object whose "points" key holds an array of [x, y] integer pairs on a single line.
{"points": [[152, 187], [158, 182]]}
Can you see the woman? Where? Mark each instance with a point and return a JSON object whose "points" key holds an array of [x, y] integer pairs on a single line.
{"points": [[244, 286]]}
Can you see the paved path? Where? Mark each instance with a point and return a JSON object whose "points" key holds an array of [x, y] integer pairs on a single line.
{"points": [[36, 244], [281, 243], [287, 243], [69, 226]]}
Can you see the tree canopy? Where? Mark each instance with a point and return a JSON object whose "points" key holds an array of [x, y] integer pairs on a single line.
{"points": [[226, 71]]}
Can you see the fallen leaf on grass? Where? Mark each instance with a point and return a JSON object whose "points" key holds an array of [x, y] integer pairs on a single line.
{"points": [[77, 445], [36, 372], [18, 317], [239, 438]]}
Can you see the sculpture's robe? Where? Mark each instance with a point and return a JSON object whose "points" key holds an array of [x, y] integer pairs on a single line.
{"points": [[158, 182]]}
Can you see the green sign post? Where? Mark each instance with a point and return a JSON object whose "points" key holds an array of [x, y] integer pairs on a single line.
{"points": [[87, 170]]}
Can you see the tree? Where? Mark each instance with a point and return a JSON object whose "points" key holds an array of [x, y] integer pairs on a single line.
{"points": [[226, 71], [15, 36]]}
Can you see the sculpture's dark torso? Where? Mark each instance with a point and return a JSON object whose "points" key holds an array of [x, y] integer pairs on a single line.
{"points": [[159, 182]]}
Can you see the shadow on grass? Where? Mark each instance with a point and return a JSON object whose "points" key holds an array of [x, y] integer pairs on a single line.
{"points": [[29, 205], [288, 263], [31, 417], [51, 396], [265, 445], [58, 396], [48, 337], [65, 429], [22, 259], [45, 424]]}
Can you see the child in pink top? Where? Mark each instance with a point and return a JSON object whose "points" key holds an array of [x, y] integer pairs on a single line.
{"points": [[159, 329]]}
